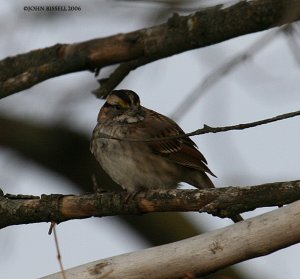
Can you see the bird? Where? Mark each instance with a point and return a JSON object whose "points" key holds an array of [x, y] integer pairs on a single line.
{"points": [[140, 164]]}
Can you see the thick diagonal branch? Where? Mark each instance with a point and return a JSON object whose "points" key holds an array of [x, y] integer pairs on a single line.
{"points": [[202, 254], [180, 33], [223, 202]]}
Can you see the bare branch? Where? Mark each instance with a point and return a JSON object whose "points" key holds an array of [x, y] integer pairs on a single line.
{"points": [[62, 270], [292, 32], [180, 33], [207, 129], [108, 84], [203, 254], [224, 69], [223, 202]]}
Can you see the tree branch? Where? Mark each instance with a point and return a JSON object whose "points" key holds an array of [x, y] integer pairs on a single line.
{"points": [[108, 84], [202, 254], [224, 69], [222, 202], [180, 33], [207, 129], [28, 140]]}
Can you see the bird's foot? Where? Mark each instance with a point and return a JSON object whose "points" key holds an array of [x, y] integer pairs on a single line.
{"points": [[132, 195]]}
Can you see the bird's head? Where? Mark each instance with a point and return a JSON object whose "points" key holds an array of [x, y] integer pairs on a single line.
{"points": [[122, 106]]}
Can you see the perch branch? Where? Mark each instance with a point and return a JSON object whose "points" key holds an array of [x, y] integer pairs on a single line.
{"points": [[202, 254], [222, 202]]}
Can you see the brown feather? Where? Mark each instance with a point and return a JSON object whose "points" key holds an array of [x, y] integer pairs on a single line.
{"points": [[152, 165], [191, 158], [182, 151]]}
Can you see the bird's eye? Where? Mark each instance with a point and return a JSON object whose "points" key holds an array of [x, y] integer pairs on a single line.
{"points": [[118, 107]]}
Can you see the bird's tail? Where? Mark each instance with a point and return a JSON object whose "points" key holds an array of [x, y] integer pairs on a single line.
{"points": [[237, 218]]}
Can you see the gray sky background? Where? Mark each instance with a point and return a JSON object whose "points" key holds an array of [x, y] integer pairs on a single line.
{"points": [[264, 86]]}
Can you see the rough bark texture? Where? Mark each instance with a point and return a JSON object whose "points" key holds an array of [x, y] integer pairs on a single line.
{"points": [[202, 254], [180, 33], [64, 152], [223, 202]]}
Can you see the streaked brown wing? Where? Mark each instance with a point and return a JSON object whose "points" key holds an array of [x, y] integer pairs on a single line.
{"points": [[182, 151]]}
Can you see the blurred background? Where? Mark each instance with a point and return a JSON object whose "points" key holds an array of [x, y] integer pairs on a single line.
{"points": [[45, 130]]}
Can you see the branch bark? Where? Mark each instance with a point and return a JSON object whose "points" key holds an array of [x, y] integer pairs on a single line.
{"points": [[202, 254], [180, 33], [222, 202], [63, 152]]}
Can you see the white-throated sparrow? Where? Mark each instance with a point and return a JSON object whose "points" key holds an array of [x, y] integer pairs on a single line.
{"points": [[145, 165]]}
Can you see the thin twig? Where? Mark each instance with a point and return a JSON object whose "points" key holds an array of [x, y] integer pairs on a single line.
{"points": [[205, 253], [293, 44], [217, 74], [207, 129], [58, 252], [108, 84]]}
